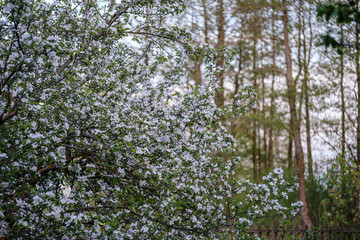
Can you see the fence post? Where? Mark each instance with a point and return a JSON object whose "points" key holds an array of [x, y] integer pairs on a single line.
{"points": [[297, 232], [268, 231], [260, 230], [348, 234], [251, 231], [321, 233], [329, 232]]}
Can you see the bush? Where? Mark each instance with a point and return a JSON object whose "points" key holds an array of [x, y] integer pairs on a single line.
{"points": [[95, 144]]}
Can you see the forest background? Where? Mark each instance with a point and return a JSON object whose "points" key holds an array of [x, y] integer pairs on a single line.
{"points": [[302, 59]]}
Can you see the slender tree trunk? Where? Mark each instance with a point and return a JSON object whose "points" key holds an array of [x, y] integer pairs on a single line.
{"points": [[357, 62], [357, 57], [264, 160], [306, 96], [254, 150], [197, 70], [307, 123], [237, 76], [219, 98], [197, 73], [146, 39], [343, 140], [296, 124], [290, 145], [206, 17], [272, 97], [260, 157], [270, 160]]}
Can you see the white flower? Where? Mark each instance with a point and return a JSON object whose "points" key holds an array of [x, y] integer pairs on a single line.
{"points": [[122, 172], [35, 135], [144, 229], [37, 200]]}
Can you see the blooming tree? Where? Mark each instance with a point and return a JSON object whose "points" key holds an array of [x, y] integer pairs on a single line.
{"points": [[96, 145]]}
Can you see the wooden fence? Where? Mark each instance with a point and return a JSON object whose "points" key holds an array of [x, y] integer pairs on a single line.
{"points": [[321, 234]]}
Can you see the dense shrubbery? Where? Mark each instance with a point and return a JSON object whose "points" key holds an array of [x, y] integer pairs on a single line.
{"points": [[342, 188], [95, 146]]}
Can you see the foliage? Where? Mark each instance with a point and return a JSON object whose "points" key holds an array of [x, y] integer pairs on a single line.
{"points": [[96, 145], [317, 192], [341, 205], [286, 235], [343, 13], [343, 177]]}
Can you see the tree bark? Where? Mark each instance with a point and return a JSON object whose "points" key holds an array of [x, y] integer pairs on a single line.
{"points": [[307, 124], [357, 62], [296, 124], [197, 73], [238, 79], [264, 160], [254, 150], [270, 160], [272, 97], [343, 140], [206, 17], [307, 55], [290, 145], [260, 157], [219, 98]]}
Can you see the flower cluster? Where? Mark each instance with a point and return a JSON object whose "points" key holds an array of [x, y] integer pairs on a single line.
{"points": [[96, 145]]}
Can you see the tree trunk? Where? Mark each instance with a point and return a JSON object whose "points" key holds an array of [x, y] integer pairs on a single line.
{"points": [[307, 55], [237, 76], [197, 73], [264, 160], [307, 123], [206, 17], [296, 124], [357, 62], [219, 98], [272, 97], [254, 151], [272, 114], [255, 156], [343, 140], [290, 145], [260, 156]]}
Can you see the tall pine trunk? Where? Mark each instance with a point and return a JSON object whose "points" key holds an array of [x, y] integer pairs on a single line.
{"points": [[295, 124]]}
